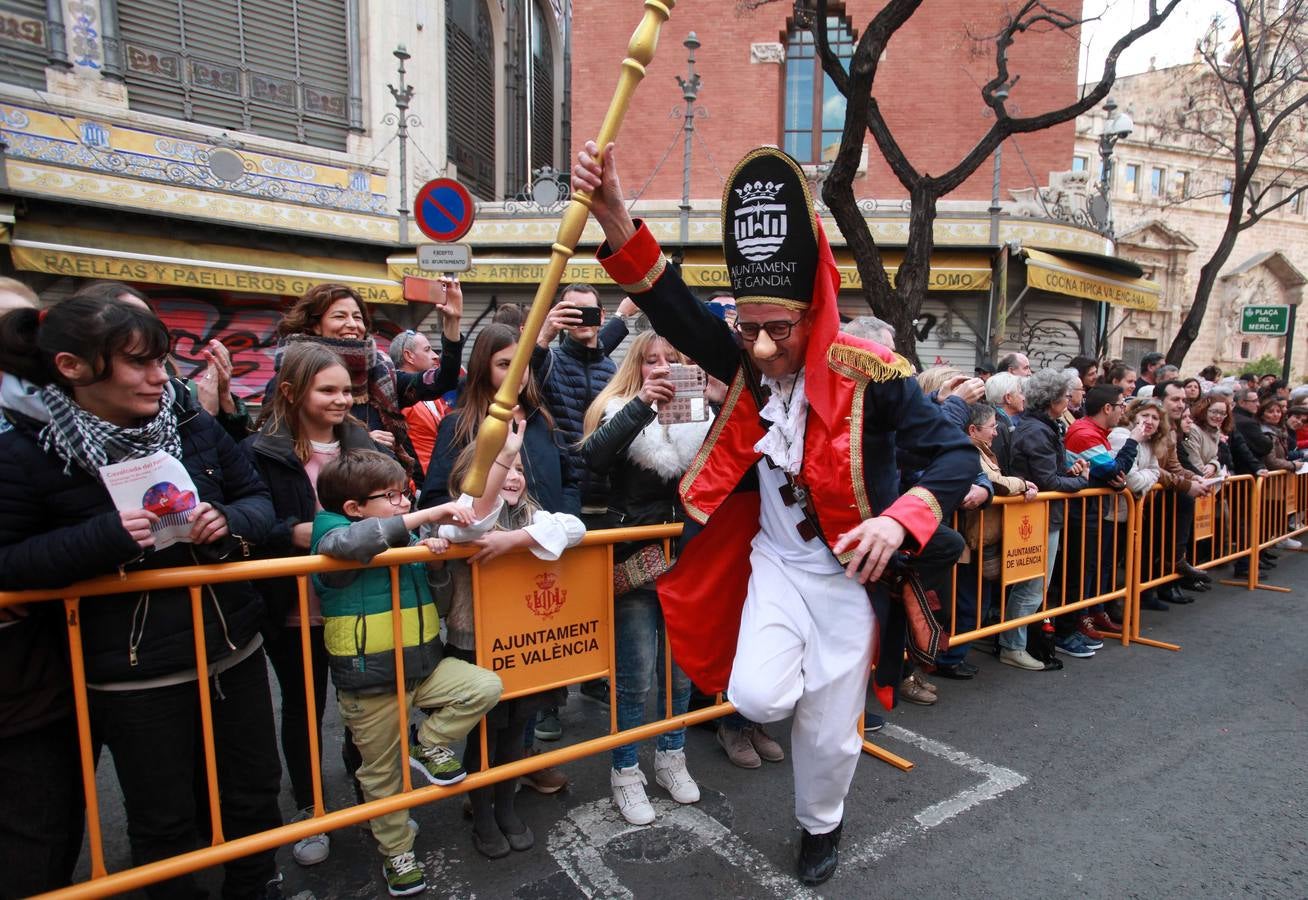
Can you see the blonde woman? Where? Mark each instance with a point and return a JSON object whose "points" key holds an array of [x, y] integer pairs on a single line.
{"points": [[644, 460]]}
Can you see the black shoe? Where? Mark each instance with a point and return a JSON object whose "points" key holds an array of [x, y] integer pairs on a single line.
{"points": [[1187, 571], [1268, 554], [1191, 584], [596, 689], [873, 723], [1151, 600], [960, 672], [818, 856], [1172, 594]]}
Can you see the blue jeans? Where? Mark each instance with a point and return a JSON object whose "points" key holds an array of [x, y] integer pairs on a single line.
{"points": [[638, 630], [1025, 598]]}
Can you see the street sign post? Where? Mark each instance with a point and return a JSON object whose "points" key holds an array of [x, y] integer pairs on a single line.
{"points": [[1269, 321], [444, 210], [444, 257]]}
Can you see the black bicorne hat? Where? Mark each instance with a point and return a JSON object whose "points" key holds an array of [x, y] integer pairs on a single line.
{"points": [[769, 233]]}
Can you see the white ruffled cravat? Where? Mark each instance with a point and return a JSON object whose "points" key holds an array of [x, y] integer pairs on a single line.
{"points": [[787, 410]]}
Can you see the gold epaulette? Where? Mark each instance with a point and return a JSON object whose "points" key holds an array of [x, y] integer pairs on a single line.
{"points": [[866, 365]]}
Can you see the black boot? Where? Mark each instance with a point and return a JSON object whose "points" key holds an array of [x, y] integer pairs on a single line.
{"points": [[1149, 600], [1187, 571], [818, 855]]}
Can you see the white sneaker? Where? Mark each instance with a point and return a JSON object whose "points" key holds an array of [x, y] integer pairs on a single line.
{"points": [[1020, 659], [670, 772], [1289, 544], [629, 795], [311, 850]]}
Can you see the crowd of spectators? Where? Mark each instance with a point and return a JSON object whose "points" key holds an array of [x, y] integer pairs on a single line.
{"points": [[345, 434]]}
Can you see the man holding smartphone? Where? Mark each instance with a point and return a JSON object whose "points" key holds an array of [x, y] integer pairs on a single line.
{"points": [[796, 485]]}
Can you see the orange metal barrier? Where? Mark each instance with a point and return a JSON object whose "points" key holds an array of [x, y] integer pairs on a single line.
{"points": [[1096, 526], [580, 583], [1277, 513]]}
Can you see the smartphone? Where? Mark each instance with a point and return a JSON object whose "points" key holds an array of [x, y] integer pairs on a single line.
{"points": [[688, 405], [590, 315]]}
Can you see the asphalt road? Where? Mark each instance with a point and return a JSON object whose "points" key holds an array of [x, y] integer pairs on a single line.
{"points": [[1138, 773]]}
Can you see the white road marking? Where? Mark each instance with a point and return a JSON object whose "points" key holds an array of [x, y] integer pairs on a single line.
{"points": [[577, 843], [998, 780]]}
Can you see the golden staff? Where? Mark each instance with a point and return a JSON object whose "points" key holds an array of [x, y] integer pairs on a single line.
{"points": [[490, 439]]}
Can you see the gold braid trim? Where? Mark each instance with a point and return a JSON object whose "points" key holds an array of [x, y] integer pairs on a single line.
{"points": [[864, 365], [796, 305], [929, 499], [653, 275], [701, 458], [856, 452]]}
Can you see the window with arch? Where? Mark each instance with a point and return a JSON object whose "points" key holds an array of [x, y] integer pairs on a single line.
{"points": [[814, 110], [470, 94]]}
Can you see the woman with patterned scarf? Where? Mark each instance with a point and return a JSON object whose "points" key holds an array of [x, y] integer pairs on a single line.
{"points": [[91, 390], [335, 316]]}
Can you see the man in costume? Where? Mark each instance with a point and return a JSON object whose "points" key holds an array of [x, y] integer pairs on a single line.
{"points": [[796, 484]]}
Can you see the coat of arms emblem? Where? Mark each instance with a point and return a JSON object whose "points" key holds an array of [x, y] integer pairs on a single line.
{"points": [[548, 598], [761, 221], [1025, 528]]}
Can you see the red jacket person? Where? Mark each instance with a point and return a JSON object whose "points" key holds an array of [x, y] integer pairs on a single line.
{"points": [[795, 485]]}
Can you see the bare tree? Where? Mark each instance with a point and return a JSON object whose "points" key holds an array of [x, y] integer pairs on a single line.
{"points": [[901, 304], [1249, 108]]}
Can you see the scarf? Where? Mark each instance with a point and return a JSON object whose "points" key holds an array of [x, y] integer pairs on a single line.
{"points": [[372, 381], [77, 436], [665, 450], [787, 411]]}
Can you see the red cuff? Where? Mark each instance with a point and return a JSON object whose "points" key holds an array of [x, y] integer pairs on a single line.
{"points": [[919, 512], [637, 264]]}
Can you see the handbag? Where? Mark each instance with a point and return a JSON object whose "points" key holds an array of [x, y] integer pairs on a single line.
{"points": [[640, 569]]}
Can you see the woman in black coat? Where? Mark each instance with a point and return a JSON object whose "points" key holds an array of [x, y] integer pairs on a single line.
{"points": [[97, 394]]}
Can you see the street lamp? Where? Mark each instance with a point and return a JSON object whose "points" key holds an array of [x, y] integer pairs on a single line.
{"points": [[1117, 125], [689, 91], [403, 96]]}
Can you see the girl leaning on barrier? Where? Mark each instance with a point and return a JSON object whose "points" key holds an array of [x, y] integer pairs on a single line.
{"points": [[304, 425], [97, 393], [644, 461], [518, 523]]}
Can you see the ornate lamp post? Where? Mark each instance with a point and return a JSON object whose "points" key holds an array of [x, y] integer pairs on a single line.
{"points": [[689, 91], [1116, 126], [403, 119]]}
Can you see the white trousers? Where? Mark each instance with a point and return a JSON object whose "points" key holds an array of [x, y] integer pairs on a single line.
{"points": [[805, 648]]}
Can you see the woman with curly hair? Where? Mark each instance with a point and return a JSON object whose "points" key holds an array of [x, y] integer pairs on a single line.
{"points": [[335, 316]]}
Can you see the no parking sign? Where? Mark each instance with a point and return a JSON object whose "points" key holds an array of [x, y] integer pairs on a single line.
{"points": [[444, 210]]}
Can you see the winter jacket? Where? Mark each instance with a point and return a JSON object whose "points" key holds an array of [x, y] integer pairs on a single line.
{"points": [[1244, 460], [1038, 456], [356, 606], [542, 460], [1003, 442], [1204, 448], [1276, 460], [644, 461], [1249, 428], [272, 453], [58, 528], [571, 375], [1144, 474], [1004, 486], [1171, 474]]}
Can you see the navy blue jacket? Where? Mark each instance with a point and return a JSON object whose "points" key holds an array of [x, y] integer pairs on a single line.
{"points": [[542, 460], [56, 529], [570, 376], [1039, 457]]}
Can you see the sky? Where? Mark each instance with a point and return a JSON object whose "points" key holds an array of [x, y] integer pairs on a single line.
{"points": [[1171, 44]]}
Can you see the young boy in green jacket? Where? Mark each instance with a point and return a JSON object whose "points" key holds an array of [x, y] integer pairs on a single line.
{"points": [[365, 511]]}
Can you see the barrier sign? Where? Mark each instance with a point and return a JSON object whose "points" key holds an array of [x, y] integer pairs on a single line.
{"points": [[1272, 321], [444, 210], [1026, 542], [545, 623], [1203, 516]]}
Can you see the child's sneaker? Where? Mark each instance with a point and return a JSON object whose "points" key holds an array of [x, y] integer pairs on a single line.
{"points": [[403, 874], [628, 787], [437, 764], [671, 774]]}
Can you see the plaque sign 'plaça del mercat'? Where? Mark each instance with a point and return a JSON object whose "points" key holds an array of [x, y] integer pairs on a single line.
{"points": [[1267, 320]]}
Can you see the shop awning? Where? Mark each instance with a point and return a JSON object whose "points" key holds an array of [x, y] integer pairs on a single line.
{"points": [[701, 269], [1060, 275], [87, 253]]}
